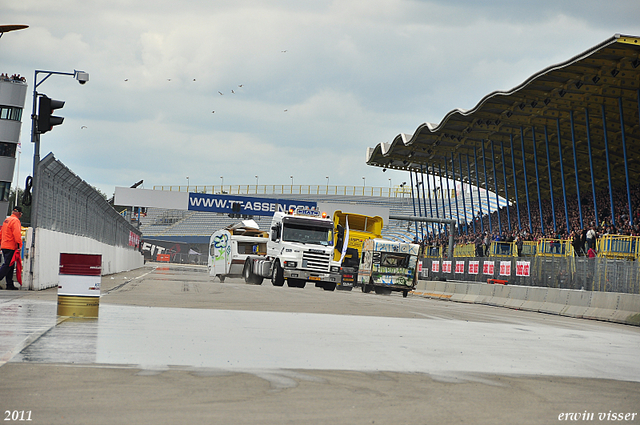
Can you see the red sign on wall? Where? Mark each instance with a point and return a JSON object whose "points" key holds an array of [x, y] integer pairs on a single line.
{"points": [[446, 266], [523, 268], [435, 266], [488, 267], [505, 268], [459, 266], [473, 267]]}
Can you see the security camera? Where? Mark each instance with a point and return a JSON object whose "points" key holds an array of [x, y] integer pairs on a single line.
{"points": [[82, 77]]}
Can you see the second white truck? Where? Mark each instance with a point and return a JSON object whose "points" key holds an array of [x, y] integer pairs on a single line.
{"points": [[299, 250]]}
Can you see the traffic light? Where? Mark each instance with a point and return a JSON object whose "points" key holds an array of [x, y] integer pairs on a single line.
{"points": [[46, 121]]}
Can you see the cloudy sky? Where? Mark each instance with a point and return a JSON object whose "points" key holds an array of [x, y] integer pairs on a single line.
{"points": [[306, 86]]}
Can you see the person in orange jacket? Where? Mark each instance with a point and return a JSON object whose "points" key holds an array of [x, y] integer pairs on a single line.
{"points": [[11, 241]]}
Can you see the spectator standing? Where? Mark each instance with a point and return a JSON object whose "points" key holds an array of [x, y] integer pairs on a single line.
{"points": [[11, 241]]}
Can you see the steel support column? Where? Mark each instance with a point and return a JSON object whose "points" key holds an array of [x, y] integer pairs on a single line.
{"points": [[414, 201], [464, 202], [424, 198], [515, 181], [535, 163], [430, 205], [526, 183], [564, 189], [575, 165], [606, 149], [553, 208], [506, 190], [444, 209], [626, 164], [473, 210], [453, 171], [446, 173], [475, 156], [495, 185], [486, 186], [593, 178]]}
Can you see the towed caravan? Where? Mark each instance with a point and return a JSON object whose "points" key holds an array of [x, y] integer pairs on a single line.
{"points": [[229, 248]]}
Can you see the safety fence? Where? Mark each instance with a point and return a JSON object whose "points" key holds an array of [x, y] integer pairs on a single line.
{"points": [[68, 204], [608, 246], [591, 274]]}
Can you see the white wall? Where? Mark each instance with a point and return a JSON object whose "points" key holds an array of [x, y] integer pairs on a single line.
{"points": [[49, 246]]}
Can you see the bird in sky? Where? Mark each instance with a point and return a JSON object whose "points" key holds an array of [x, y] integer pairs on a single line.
{"points": [[240, 85], [286, 110], [213, 112], [168, 79], [284, 51], [232, 91], [83, 127], [126, 79], [220, 93]]}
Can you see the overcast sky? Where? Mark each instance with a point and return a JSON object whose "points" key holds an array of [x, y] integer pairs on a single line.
{"points": [[306, 86]]}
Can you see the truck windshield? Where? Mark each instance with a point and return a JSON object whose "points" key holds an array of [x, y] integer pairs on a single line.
{"points": [[307, 234]]}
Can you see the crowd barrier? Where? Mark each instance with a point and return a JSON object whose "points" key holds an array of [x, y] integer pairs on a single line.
{"points": [[591, 274], [607, 246], [606, 306]]}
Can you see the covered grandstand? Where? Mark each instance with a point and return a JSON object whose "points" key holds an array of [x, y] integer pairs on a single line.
{"points": [[562, 146]]}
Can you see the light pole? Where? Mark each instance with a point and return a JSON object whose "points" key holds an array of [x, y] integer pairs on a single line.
{"points": [[187, 184], [82, 78], [291, 180], [256, 184], [221, 184]]}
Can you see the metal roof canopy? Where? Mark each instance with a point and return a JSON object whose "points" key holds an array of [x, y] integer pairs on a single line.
{"points": [[600, 82]]}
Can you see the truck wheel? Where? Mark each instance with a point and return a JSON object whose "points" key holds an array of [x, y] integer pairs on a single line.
{"points": [[296, 283], [405, 293], [329, 286], [220, 278], [277, 275], [382, 291], [366, 288], [249, 276]]}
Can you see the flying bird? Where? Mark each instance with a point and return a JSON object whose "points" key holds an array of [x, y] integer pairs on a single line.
{"points": [[194, 79], [286, 110], [220, 93], [168, 79], [83, 127], [213, 112], [240, 85], [126, 79], [232, 91], [284, 51]]}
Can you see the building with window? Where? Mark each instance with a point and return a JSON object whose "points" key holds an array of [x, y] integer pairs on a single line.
{"points": [[13, 91]]}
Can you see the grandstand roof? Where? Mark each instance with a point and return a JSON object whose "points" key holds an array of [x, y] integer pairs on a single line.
{"points": [[599, 82]]}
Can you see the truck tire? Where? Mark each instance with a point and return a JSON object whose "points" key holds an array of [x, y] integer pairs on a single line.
{"points": [[405, 293], [382, 291], [296, 283], [329, 286], [277, 275], [249, 276], [220, 278]]}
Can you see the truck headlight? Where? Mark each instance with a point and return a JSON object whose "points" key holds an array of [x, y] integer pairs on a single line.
{"points": [[335, 269], [290, 264]]}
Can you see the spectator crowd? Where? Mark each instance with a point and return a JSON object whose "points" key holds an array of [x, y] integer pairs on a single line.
{"points": [[582, 236]]}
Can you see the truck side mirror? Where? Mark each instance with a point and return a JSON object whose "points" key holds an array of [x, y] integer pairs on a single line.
{"points": [[275, 232], [340, 238]]}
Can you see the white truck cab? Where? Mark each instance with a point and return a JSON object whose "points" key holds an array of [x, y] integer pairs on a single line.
{"points": [[299, 250]]}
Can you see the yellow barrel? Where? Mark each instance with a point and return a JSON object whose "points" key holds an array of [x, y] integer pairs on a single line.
{"points": [[74, 306]]}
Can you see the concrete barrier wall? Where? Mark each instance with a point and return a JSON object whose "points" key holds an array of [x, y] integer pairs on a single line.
{"points": [[607, 306], [50, 244]]}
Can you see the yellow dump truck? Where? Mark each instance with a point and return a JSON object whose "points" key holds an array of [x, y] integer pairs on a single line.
{"points": [[351, 230]]}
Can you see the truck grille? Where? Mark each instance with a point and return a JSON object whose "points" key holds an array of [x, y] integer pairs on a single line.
{"points": [[316, 261]]}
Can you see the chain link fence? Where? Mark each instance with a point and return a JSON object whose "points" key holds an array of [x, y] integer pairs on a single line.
{"points": [[67, 204], [591, 274]]}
